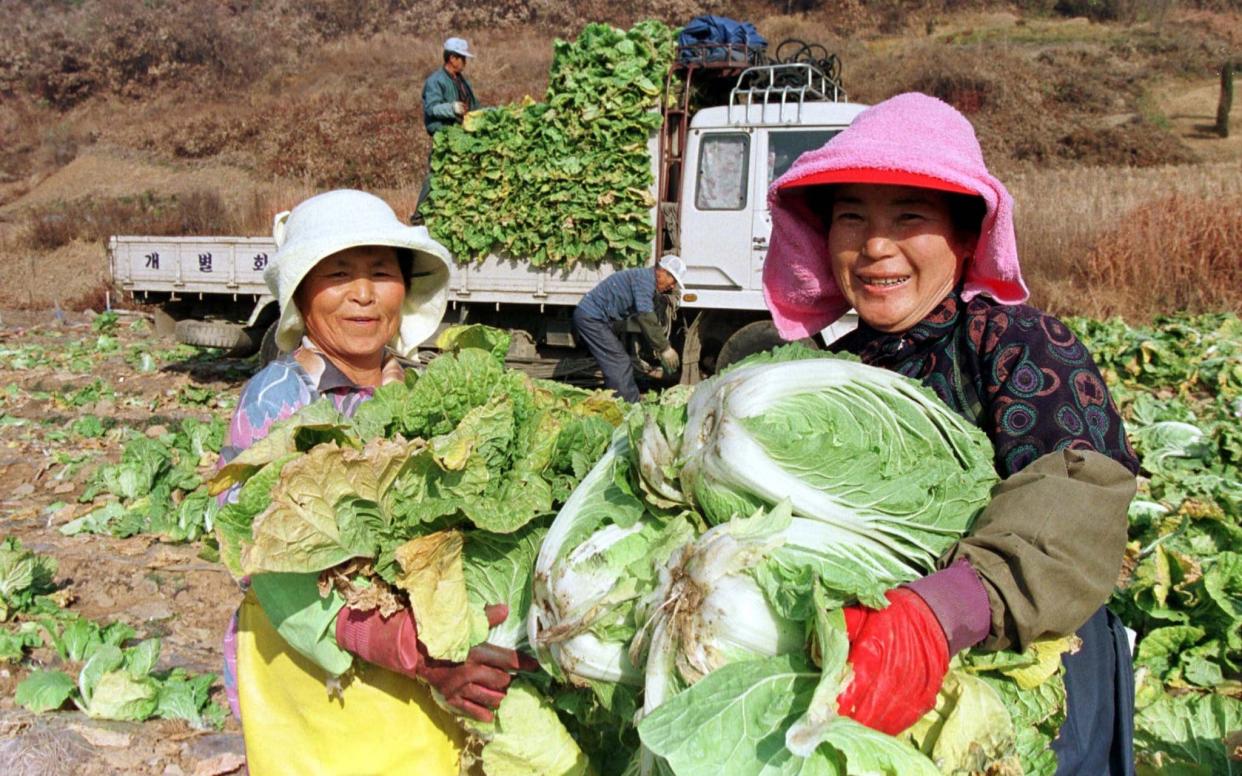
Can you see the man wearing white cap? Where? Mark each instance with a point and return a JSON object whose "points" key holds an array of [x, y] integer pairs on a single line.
{"points": [[447, 97], [628, 294]]}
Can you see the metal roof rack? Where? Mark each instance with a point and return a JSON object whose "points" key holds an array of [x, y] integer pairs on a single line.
{"points": [[785, 84]]}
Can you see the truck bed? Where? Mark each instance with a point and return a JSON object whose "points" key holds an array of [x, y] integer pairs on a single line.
{"points": [[234, 265]]}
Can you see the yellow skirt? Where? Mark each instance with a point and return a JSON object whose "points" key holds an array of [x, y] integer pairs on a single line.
{"points": [[382, 722]]}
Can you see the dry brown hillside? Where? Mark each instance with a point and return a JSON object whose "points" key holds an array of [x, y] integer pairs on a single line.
{"points": [[205, 116]]}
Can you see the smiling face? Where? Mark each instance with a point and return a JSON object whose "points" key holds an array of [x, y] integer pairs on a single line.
{"points": [[894, 251], [351, 302]]}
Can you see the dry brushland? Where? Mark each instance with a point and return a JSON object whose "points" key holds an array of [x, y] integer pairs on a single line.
{"points": [[207, 117], [201, 117]]}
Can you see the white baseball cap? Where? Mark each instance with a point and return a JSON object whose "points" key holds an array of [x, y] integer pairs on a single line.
{"points": [[336, 220], [673, 265], [458, 46]]}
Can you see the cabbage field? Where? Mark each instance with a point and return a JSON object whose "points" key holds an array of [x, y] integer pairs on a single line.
{"points": [[117, 563]]}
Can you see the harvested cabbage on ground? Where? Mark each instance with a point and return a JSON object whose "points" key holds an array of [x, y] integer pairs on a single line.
{"points": [[698, 571], [93, 665], [434, 495], [1178, 384], [565, 180]]}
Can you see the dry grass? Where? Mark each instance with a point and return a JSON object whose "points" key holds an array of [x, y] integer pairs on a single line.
{"points": [[353, 115], [1131, 242], [1173, 254], [185, 99], [197, 212]]}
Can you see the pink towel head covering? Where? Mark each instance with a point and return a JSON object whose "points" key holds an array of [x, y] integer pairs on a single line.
{"points": [[911, 139]]}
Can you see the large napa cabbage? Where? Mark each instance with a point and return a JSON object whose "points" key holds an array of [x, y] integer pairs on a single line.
{"points": [[721, 528], [890, 475]]}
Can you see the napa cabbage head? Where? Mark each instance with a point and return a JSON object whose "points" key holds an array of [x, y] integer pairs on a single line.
{"points": [[598, 561], [708, 611], [891, 472]]}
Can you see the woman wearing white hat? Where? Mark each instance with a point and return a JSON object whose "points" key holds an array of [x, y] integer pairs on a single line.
{"points": [[358, 292]]}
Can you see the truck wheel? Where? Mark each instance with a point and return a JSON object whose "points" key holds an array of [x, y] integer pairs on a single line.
{"points": [[754, 337], [213, 334], [268, 350]]}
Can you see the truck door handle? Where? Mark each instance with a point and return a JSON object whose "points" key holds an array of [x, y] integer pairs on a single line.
{"points": [[760, 242]]}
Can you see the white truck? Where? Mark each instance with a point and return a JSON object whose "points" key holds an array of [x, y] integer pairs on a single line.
{"points": [[712, 167]]}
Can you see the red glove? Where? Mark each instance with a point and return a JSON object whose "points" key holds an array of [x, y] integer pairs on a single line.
{"points": [[390, 642], [899, 656], [474, 687]]}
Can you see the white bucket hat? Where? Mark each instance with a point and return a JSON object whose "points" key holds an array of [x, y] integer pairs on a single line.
{"points": [[673, 264], [328, 223], [458, 46]]}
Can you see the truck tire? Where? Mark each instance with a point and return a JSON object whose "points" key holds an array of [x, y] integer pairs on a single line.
{"points": [[268, 350], [754, 337], [213, 334]]}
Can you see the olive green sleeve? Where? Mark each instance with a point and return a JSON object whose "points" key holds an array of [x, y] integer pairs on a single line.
{"points": [[1049, 545], [652, 330]]}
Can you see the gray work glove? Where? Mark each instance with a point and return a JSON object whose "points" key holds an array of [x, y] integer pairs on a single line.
{"points": [[459, 108], [670, 361]]}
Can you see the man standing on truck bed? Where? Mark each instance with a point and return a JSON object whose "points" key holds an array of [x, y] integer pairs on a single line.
{"points": [[628, 294], [447, 97]]}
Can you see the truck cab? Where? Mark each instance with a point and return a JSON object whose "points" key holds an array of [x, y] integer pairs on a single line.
{"points": [[725, 221], [716, 162]]}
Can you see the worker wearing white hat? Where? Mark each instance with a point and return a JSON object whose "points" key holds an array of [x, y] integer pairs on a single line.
{"points": [[358, 291], [625, 295], [447, 95], [338, 221], [447, 98]]}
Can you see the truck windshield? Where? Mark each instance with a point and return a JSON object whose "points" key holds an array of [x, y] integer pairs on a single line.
{"points": [[785, 147]]}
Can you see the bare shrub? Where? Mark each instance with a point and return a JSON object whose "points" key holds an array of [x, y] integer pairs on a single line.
{"points": [[1128, 11], [1137, 143], [254, 216], [196, 212], [826, 24], [96, 298], [1179, 253], [51, 228], [988, 82], [1089, 109], [65, 53], [34, 138], [1069, 218], [564, 17], [361, 122], [336, 140]]}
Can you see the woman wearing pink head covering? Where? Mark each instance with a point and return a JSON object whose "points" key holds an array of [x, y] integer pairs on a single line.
{"points": [[898, 218]]}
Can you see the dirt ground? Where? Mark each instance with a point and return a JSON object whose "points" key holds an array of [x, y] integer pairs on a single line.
{"points": [[1190, 109], [163, 590]]}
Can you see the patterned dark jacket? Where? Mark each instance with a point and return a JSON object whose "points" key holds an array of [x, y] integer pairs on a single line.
{"points": [[1048, 547]]}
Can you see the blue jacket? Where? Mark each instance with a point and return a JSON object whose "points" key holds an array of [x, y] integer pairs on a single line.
{"points": [[630, 293], [621, 295], [439, 94]]}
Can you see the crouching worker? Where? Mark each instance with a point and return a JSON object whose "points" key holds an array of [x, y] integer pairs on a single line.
{"points": [[628, 294], [358, 292]]}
